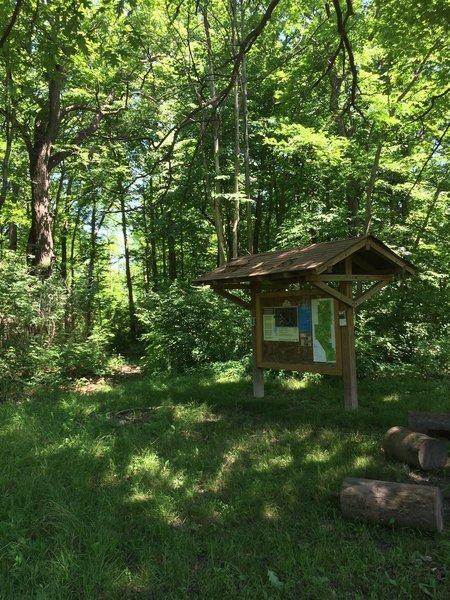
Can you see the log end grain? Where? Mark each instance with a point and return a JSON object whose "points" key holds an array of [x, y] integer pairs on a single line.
{"points": [[416, 449]]}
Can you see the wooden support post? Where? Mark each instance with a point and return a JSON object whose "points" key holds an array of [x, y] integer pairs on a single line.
{"points": [[258, 373], [348, 344]]}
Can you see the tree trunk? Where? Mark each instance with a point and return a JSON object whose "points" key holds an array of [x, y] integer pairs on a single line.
{"points": [[131, 307], [90, 291], [415, 449], [5, 163], [172, 256], [400, 504], [40, 239], [245, 134], [370, 187], [424, 225], [217, 203], [237, 146]]}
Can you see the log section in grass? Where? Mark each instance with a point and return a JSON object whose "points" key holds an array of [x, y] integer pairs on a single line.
{"points": [[415, 449], [429, 422], [389, 503]]}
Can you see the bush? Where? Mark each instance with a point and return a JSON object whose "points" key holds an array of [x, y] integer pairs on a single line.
{"points": [[82, 358], [187, 327], [31, 311], [405, 328]]}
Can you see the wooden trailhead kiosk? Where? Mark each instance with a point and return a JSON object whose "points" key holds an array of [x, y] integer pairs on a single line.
{"points": [[303, 301]]}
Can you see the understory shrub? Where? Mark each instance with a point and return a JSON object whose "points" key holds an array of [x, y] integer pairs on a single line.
{"points": [[34, 347], [187, 327], [31, 310], [82, 358], [405, 328]]}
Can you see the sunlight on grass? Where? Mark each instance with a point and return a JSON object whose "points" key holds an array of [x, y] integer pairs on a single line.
{"points": [[153, 491]]}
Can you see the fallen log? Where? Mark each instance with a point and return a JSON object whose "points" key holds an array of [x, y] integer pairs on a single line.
{"points": [[415, 449], [429, 422], [389, 503]]}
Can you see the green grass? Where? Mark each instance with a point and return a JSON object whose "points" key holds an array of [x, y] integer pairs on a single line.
{"points": [[190, 488]]}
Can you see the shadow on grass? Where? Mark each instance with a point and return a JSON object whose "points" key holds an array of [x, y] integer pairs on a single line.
{"points": [[201, 493]]}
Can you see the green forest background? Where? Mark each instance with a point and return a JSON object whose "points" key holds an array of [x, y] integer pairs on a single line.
{"points": [[146, 142]]}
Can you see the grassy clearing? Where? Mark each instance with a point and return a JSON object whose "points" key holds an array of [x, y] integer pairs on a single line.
{"points": [[190, 488]]}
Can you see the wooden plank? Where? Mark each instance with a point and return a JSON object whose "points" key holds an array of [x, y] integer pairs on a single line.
{"points": [[323, 368], [348, 345], [231, 286], [341, 277], [370, 292], [232, 298], [341, 255], [332, 292], [258, 373], [391, 256]]}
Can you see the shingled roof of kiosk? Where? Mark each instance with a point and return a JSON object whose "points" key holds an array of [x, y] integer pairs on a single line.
{"points": [[368, 256]]}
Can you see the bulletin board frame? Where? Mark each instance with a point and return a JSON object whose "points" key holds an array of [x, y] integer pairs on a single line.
{"points": [[267, 351]]}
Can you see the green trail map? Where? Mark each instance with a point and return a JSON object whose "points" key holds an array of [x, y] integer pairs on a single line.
{"points": [[324, 340]]}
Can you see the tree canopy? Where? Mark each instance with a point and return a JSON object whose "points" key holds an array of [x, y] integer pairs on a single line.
{"points": [[144, 142]]}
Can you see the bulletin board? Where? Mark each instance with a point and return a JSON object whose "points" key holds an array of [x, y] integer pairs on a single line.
{"points": [[298, 331]]}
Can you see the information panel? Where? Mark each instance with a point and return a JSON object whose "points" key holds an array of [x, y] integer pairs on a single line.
{"points": [[298, 331]]}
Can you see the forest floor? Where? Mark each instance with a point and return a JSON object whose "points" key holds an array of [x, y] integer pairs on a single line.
{"points": [[155, 488]]}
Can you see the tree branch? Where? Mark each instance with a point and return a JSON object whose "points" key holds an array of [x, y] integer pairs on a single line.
{"points": [[11, 23]]}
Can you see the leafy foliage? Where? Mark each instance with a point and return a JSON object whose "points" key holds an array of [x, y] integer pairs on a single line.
{"points": [[186, 328]]}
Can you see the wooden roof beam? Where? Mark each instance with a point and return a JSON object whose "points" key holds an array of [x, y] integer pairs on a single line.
{"points": [[376, 287], [232, 298], [333, 292], [343, 277]]}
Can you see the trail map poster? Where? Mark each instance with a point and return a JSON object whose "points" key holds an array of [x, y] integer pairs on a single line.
{"points": [[280, 324], [298, 330], [324, 337]]}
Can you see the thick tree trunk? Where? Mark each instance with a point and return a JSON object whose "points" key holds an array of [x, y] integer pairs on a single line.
{"points": [[415, 449], [40, 239], [400, 504]]}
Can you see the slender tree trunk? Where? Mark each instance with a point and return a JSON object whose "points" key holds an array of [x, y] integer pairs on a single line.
{"points": [[64, 233], [129, 280], [245, 136], [9, 135], [217, 202], [90, 291], [147, 250], [154, 256], [370, 187], [424, 225], [171, 251], [237, 147], [59, 193]]}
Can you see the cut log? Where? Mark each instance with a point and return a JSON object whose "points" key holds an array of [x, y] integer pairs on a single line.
{"points": [[415, 449], [389, 503], [429, 422]]}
